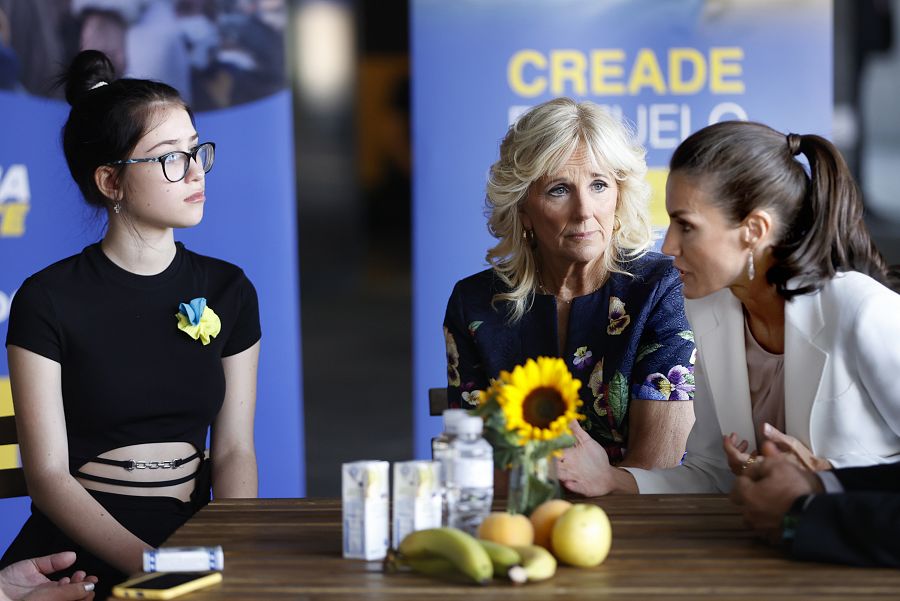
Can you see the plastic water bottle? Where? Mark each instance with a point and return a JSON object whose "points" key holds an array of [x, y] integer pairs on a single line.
{"points": [[471, 478], [440, 452], [440, 446]]}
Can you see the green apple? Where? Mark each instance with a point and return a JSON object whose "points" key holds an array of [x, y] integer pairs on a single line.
{"points": [[582, 536]]}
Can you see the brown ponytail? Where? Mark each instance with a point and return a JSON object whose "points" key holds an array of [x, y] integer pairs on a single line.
{"points": [[751, 166], [835, 235]]}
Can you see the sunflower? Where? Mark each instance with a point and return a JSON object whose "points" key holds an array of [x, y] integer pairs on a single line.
{"points": [[539, 399]]}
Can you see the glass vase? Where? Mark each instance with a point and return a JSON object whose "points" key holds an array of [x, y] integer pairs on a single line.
{"points": [[530, 484]]}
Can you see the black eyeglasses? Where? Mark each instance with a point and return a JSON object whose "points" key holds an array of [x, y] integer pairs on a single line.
{"points": [[175, 164]]}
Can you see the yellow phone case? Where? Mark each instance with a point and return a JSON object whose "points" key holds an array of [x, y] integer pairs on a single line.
{"points": [[131, 589]]}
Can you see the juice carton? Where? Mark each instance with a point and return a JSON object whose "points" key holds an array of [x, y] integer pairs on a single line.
{"points": [[417, 497], [365, 509]]}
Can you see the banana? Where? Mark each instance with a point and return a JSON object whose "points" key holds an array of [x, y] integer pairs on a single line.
{"points": [[433, 566], [537, 564], [460, 549], [502, 557]]}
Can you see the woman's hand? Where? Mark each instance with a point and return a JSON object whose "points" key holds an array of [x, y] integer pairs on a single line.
{"points": [[736, 452], [584, 468], [796, 449], [28, 579], [766, 490]]}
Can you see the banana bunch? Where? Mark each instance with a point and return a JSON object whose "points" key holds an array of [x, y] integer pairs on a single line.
{"points": [[449, 553], [444, 552]]}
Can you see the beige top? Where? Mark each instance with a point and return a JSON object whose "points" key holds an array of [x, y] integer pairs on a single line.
{"points": [[765, 371]]}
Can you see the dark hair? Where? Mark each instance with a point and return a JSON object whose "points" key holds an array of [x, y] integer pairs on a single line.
{"points": [[108, 117], [746, 166]]}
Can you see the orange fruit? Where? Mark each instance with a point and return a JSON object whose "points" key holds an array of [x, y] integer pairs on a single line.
{"points": [[544, 517], [507, 529]]}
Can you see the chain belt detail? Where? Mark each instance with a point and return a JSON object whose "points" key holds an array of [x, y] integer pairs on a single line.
{"points": [[154, 465], [133, 464]]}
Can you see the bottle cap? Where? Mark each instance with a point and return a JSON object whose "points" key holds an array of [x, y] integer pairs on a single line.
{"points": [[452, 417], [472, 424]]}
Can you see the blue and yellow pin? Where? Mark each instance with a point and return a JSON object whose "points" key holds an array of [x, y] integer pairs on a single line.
{"points": [[198, 321]]}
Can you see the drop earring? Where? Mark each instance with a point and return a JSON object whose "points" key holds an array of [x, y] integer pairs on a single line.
{"points": [[528, 237], [751, 269], [117, 208]]}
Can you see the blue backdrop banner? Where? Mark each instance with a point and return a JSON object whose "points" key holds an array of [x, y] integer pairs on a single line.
{"points": [[669, 67], [250, 220]]}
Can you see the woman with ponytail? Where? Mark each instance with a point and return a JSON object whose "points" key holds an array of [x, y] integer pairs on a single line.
{"points": [[791, 307], [122, 357]]}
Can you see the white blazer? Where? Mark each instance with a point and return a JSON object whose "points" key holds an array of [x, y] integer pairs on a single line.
{"points": [[841, 381]]}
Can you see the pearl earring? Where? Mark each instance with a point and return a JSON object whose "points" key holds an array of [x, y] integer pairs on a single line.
{"points": [[751, 269]]}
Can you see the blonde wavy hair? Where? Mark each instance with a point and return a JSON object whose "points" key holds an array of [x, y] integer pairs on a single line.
{"points": [[539, 144]]}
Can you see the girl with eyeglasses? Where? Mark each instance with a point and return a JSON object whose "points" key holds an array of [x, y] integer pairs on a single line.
{"points": [[122, 357]]}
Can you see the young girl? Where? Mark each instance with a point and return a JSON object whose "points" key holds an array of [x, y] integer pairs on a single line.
{"points": [[122, 356]]}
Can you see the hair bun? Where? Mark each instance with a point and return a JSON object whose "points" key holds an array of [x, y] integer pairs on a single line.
{"points": [[88, 71], [793, 142]]}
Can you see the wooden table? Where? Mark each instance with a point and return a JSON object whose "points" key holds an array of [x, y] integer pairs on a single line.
{"points": [[664, 547]]}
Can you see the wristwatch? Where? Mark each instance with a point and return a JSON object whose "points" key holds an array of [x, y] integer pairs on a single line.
{"points": [[791, 519]]}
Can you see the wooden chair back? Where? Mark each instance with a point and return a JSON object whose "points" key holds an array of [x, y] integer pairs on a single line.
{"points": [[437, 401]]}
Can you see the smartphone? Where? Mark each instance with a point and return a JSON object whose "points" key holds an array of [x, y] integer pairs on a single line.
{"points": [[165, 585]]}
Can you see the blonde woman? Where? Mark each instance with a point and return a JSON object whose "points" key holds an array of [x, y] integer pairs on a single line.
{"points": [[572, 277]]}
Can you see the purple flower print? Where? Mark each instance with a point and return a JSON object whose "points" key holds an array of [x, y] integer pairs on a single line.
{"points": [[677, 385]]}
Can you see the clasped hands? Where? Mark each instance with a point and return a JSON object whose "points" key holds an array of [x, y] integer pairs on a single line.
{"points": [[767, 488], [768, 482], [794, 450]]}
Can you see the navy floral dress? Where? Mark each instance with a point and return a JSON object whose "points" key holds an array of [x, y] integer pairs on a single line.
{"points": [[628, 340]]}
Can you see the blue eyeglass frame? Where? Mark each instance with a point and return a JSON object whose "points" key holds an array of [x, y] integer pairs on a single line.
{"points": [[192, 154]]}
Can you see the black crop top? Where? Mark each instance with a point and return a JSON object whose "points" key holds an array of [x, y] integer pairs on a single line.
{"points": [[129, 375]]}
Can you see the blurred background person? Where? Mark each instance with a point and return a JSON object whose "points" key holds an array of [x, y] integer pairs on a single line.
{"points": [[38, 35], [103, 25], [157, 48], [9, 62], [216, 53]]}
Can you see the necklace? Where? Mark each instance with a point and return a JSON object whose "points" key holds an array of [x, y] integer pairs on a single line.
{"points": [[566, 301], [543, 289]]}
